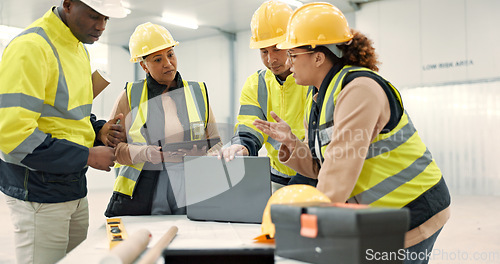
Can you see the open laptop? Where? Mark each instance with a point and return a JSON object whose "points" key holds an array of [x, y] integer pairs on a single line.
{"points": [[235, 191]]}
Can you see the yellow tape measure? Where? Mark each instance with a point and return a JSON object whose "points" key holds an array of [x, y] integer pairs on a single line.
{"points": [[116, 231]]}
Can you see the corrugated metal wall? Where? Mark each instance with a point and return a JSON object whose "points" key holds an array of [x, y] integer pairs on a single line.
{"points": [[461, 126]]}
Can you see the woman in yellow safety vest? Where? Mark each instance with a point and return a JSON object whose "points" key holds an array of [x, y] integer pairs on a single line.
{"points": [[360, 143], [161, 109]]}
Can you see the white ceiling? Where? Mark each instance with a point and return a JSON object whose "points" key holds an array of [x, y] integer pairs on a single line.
{"points": [[212, 15]]}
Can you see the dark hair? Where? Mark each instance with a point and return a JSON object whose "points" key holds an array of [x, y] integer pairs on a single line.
{"points": [[360, 52]]}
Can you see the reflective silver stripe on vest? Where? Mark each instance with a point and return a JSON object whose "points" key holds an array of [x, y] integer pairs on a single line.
{"points": [[325, 130], [308, 106], [255, 110], [252, 110], [325, 136], [243, 128], [25, 148], [129, 173], [385, 145], [330, 106], [60, 108], [135, 98], [390, 184], [259, 111], [279, 173], [19, 99], [310, 90], [276, 145], [136, 90], [135, 94], [262, 93], [198, 96]]}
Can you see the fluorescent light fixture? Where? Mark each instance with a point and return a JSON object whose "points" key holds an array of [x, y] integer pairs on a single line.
{"points": [[292, 2], [180, 21]]}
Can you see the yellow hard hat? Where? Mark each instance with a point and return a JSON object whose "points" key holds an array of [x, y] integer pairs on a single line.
{"points": [[149, 38], [316, 24], [269, 23], [296, 193]]}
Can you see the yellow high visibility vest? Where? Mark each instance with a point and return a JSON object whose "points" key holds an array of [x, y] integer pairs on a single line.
{"points": [[55, 99], [262, 94], [398, 167], [137, 94]]}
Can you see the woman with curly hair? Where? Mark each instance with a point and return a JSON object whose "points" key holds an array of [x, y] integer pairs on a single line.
{"points": [[360, 143]]}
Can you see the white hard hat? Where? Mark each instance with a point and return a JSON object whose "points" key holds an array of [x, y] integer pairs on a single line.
{"points": [[109, 8]]}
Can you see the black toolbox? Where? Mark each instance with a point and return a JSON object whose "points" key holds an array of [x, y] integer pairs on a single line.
{"points": [[339, 233]]}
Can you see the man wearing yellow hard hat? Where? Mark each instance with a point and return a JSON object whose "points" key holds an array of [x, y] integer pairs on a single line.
{"points": [[272, 89], [362, 146], [47, 130], [161, 109]]}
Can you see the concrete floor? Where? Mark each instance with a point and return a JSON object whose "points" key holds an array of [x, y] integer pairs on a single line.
{"points": [[472, 235]]}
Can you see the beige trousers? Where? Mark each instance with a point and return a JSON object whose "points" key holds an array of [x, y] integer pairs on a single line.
{"points": [[45, 232]]}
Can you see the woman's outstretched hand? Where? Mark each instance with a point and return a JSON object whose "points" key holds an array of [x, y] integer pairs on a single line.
{"points": [[279, 130]]}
